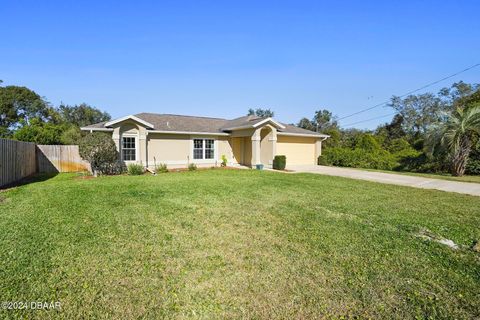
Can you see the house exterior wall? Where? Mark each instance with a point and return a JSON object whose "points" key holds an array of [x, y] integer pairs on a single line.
{"points": [[247, 151], [174, 150], [225, 148], [298, 150], [243, 132], [237, 149], [168, 149]]}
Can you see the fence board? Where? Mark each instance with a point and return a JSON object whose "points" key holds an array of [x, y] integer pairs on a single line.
{"points": [[58, 158], [17, 160]]}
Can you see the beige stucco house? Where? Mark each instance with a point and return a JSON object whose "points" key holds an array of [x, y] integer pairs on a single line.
{"points": [[150, 139]]}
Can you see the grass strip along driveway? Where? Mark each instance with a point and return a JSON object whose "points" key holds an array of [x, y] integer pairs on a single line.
{"points": [[237, 244]]}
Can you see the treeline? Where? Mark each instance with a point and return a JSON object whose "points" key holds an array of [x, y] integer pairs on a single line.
{"points": [[430, 133], [26, 116]]}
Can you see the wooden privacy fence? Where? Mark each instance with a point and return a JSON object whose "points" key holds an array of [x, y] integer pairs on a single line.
{"points": [[20, 159], [17, 160], [58, 158]]}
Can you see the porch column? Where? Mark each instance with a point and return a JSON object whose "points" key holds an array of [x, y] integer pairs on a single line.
{"points": [[256, 148], [273, 138], [143, 148], [116, 140], [318, 150]]}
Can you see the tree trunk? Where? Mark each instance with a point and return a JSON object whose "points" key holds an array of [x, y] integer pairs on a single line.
{"points": [[460, 157]]}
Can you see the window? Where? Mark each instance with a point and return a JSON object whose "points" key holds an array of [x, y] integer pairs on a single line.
{"points": [[209, 148], [128, 149], [203, 149], [197, 149]]}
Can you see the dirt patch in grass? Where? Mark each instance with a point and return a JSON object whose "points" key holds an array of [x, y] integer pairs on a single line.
{"points": [[84, 177]]}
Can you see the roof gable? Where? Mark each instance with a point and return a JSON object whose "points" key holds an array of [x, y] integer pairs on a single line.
{"points": [[129, 117]]}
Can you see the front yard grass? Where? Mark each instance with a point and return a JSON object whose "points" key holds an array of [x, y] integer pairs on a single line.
{"points": [[237, 244]]}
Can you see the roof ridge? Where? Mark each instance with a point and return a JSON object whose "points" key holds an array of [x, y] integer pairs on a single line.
{"points": [[179, 115]]}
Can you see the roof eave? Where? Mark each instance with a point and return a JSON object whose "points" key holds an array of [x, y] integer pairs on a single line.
{"points": [[312, 135], [96, 129], [190, 132], [130, 117]]}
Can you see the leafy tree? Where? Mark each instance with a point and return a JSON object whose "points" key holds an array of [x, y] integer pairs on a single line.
{"points": [[262, 113], [18, 105], [82, 115], [306, 124], [71, 135], [459, 93], [334, 139], [349, 136], [419, 112], [367, 142], [456, 136], [40, 132], [473, 164], [324, 119], [99, 149], [395, 128]]}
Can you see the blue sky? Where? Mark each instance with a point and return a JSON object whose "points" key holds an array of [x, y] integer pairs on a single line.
{"points": [[220, 58]]}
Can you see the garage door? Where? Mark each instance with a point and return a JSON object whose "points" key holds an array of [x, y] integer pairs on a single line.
{"points": [[298, 150]]}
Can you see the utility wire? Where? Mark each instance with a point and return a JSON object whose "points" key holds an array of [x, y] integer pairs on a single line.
{"points": [[380, 117], [410, 92]]}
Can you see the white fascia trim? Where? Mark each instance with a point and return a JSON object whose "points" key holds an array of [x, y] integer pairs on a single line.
{"points": [[131, 117], [238, 128], [278, 124], [248, 126], [303, 135], [96, 129], [191, 132]]}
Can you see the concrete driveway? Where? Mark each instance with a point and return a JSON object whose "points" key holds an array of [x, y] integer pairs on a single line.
{"points": [[391, 178]]}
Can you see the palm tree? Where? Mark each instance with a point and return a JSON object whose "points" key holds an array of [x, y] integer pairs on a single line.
{"points": [[456, 136]]}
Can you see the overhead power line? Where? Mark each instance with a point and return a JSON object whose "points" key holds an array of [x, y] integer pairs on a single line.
{"points": [[410, 92], [380, 117]]}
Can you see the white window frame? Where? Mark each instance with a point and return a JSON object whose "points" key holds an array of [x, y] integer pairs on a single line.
{"points": [[203, 160], [131, 135]]}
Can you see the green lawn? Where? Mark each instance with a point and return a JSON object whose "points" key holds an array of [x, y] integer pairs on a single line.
{"points": [[237, 244]]}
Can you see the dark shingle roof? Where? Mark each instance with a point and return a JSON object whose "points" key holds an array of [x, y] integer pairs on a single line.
{"points": [[172, 122], [96, 125], [244, 121], [294, 129]]}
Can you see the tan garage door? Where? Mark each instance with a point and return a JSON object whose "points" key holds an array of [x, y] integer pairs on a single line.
{"points": [[298, 150]]}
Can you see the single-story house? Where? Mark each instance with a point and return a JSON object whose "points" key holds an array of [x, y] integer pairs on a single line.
{"points": [[175, 140]]}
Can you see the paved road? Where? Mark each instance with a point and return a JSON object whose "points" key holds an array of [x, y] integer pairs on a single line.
{"points": [[391, 178]]}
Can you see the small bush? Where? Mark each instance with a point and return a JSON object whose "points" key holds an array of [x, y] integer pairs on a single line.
{"points": [[161, 168], [135, 169], [473, 167], [117, 167], [358, 158], [99, 149], [224, 160], [279, 162], [192, 167]]}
